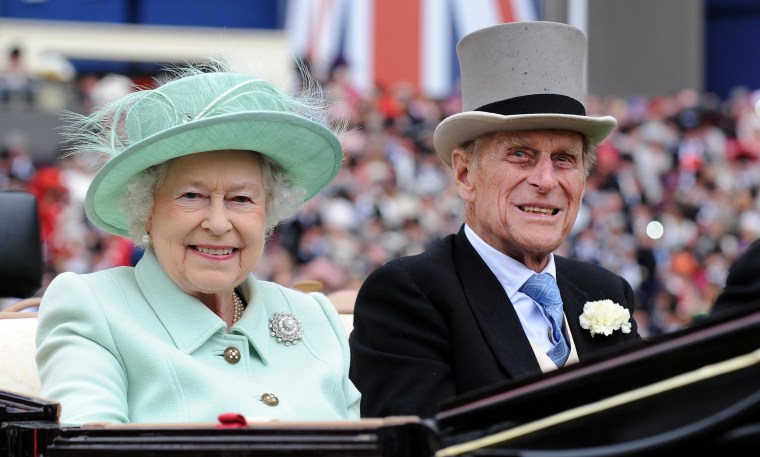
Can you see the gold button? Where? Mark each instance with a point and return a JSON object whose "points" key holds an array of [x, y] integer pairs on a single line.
{"points": [[232, 355], [270, 399]]}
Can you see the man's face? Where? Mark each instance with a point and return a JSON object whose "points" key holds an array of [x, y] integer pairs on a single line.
{"points": [[523, 190]]}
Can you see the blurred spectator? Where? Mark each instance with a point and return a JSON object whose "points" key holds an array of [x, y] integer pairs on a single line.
{"points": [[20, 163], [52, 197], [16, 82]]}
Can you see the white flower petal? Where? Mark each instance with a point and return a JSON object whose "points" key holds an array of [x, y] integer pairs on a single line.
{"points": [[604, 317]]}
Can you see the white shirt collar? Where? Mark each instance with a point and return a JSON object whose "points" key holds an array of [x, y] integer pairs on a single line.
{"points": [[510, 273]]}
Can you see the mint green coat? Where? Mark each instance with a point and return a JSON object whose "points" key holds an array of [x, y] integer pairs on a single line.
{"points": [[128, 345]]}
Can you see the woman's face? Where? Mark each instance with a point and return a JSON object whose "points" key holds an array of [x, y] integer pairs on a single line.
{"points": [[208, 220]]}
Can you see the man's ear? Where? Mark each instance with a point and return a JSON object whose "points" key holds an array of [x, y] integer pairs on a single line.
{"points": [[461, 166]]}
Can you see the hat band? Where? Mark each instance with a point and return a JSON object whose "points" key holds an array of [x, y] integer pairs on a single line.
{"points": [[536, 104]]}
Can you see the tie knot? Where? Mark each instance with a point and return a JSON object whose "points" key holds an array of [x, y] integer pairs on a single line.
{"points": [[543, 289]]}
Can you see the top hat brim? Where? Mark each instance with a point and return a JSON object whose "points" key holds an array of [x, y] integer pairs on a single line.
{"points": [[459, 128], [307, 152]]}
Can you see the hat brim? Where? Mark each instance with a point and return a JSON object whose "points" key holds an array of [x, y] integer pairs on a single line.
{"points": [[459, 128], [309, 153]]}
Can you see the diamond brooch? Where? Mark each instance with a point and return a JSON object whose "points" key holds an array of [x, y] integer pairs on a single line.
{"points": [[286, 328]]}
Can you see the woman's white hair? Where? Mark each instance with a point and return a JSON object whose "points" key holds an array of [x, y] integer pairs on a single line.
{"points": [[282, 197]]}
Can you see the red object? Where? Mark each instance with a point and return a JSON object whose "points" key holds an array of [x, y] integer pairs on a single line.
{"points": [[52, 196], [231, 420], [397, 47]]}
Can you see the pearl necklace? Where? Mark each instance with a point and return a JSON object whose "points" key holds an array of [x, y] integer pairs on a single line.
{"points": [[239, 307]]}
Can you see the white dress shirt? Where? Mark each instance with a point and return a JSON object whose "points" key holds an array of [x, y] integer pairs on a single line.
{"points": [[512, 275]]}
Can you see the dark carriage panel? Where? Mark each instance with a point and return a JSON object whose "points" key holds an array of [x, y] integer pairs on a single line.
{"points": [[372, 438], [694, 390]]}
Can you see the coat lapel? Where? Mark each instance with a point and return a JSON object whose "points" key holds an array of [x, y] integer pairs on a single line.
{"points": [[493, 311], [186, 320], [573, 299], [573, 287]]}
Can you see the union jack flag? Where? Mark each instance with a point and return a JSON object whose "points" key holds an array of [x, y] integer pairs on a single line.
{"points": [[384, 42]]}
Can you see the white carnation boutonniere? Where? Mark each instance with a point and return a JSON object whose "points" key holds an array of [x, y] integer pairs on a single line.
{"points": [[604, 317]]}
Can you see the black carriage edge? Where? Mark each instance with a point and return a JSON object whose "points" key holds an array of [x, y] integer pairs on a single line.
{"points": [[695, 390]]}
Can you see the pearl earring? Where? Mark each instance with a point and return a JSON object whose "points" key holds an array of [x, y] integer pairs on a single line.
{"points": [[146, 239]]}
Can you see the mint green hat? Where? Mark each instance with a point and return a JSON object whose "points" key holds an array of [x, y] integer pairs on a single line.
{"points": [[202, 111]]}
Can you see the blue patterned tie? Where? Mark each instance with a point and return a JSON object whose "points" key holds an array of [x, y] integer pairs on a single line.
{"points": [[543, 289]]}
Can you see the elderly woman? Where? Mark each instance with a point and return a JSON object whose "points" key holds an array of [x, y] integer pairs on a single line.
{"points": [[199, 172]]}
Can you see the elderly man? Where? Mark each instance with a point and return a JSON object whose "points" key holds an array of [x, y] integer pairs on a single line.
{"points": [[493, 303]]}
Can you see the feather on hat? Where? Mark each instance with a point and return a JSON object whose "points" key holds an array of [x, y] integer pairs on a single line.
{"points": [[202, 109]]}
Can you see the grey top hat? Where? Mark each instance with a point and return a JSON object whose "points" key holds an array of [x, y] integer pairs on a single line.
{"points": [[521, 76]]}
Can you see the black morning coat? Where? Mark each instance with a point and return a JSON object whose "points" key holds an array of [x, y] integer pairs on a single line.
{"points": [[433, 326], [743, 281]]}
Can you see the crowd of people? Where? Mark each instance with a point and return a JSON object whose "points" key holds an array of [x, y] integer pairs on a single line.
{"points": [[671, 203]]}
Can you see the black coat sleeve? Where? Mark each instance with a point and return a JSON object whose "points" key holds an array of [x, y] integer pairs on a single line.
{"points": [[400, 347], [743, 281]]}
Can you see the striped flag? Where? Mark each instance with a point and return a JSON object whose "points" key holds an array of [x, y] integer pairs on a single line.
{"points": [[385, 42]]}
